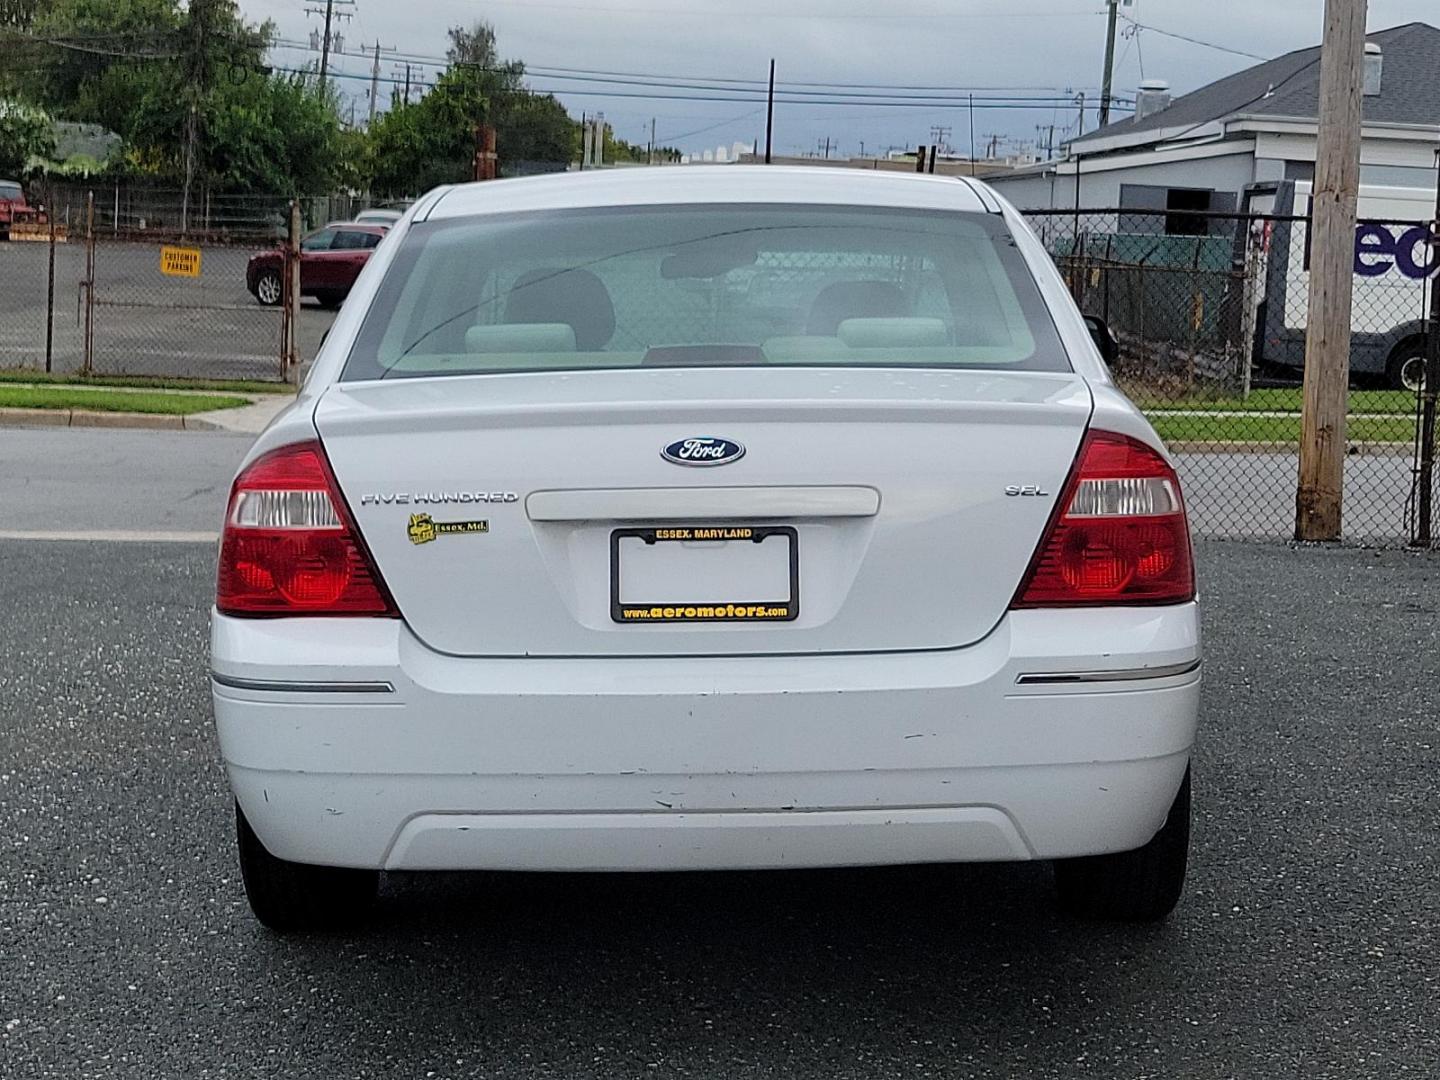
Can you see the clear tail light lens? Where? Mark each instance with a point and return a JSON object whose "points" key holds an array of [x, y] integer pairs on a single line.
{"points": [[1119, 536], [289, 546]]}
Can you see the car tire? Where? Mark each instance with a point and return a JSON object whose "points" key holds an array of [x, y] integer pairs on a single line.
{"points": [[287, 896], [270, 288], [1406, 367], [1132, 886]]}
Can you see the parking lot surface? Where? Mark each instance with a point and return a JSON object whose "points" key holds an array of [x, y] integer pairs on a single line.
{"points": [[144, 321], [1305, 945]]}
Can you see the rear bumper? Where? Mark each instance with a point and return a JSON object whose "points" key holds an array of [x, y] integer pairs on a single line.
{"points": [[707, 763]]}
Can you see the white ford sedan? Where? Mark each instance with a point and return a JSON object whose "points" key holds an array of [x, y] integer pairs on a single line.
{"points": [[705, 518]]}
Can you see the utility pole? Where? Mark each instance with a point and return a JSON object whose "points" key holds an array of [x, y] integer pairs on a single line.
{"points": [[329, 14], [375, 80], [770, 114], [197, 83], [824, 145], [1048, 130], [972, 134], [405, 77], [1319, 495], [1080, 100], [650, 158], [941, 134], [1108, 82]]}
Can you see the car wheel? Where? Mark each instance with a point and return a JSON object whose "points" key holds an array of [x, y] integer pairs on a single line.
{"points": [[1132, 886], [269, 289], [289, 896], [1406, 369]]}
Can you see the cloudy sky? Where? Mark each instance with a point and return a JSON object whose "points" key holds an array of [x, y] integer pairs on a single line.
{"points": [[1048, 50]]}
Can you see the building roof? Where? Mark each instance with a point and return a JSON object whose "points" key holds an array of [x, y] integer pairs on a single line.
{"points": [[1289, 86], [691, 184]]}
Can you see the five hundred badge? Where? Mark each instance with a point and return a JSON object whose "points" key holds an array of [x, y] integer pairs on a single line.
{"points": [[423, 528]]}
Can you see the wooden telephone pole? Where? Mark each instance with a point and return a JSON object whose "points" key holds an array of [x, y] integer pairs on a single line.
{"points": [[1109, 79], [1319, 495]]}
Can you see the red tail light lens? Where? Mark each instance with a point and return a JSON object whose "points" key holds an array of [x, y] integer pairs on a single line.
{"points": [[289, 546], [1120, 536]]}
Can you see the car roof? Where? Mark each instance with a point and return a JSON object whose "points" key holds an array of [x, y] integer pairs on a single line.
{"points": [[715, 184], [357, 226]]}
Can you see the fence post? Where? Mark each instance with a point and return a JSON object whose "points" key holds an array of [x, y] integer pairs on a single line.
{"points": [[88, 364], [1425, 471], [290, 317], [50, 284]]}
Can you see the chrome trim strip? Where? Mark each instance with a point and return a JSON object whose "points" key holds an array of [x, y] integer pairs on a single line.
{"points": [[280, 686], [1169, 671], [702, 503]]}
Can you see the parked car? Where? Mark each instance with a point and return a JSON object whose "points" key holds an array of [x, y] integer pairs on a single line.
{"points": [[378, 216], [577, 553], [12, 204], [330, 260]]}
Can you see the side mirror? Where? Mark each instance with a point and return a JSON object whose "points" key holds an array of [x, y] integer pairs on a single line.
{"points": [[1104, 337]]}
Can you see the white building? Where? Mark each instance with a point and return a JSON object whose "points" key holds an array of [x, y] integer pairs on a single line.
{"points": [[1223, 145]]}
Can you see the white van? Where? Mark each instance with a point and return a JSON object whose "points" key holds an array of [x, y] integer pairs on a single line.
{"points": [[1393, 259]]}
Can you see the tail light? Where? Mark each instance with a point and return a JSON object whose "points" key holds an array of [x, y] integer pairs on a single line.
{"points": [[1119, 536], [289, 546]]}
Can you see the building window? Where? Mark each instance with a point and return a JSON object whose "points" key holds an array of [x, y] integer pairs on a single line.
{"points": [[1180, 223]]}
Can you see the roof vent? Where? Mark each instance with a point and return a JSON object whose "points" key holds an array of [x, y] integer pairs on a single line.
{"points": [[1374, 69], [1154, 95]]}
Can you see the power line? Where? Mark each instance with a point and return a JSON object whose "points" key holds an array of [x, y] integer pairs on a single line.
{"points": [[1194, 41], [712, 127], [811, 15], [557, 71], [904, 102]]}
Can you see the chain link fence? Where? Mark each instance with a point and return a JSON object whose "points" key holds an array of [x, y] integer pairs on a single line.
{"points": [[1210, 311], [133, 295]]}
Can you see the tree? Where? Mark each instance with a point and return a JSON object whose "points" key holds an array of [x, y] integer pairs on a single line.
{"points": [[417, 147], [170, 78], [21, 14], [25, 133]]}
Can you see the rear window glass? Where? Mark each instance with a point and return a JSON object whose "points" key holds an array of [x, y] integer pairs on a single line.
{"points": [[11, 192], [672, 286]]}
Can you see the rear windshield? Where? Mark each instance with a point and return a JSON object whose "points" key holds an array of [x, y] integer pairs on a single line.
{"points": [[10, 192], [684, 286]]}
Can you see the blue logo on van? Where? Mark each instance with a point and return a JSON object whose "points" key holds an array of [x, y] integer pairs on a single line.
{"points": [[1378, 251], [703, 450]]}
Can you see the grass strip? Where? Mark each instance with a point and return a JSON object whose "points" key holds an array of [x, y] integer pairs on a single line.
{"points": [[145, 382], [71, 397]]}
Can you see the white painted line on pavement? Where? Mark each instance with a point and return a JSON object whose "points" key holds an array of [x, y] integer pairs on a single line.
{"points": [[128, 536]]}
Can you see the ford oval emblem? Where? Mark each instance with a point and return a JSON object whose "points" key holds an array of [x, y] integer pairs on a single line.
{"points": [[703, 450]]}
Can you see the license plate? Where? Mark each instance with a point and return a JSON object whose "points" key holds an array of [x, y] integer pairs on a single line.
{"points": [[704, 573]]}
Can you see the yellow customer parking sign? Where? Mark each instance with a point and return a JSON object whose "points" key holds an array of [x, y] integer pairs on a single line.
{"points": [[180, 261]]}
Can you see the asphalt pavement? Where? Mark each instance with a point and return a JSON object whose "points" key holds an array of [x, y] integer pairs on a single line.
{"points": [[144, 321], [116, 483], [1305, 945]]}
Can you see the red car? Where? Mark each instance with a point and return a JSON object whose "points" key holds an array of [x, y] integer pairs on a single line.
{"points": [[12, 204], [330, 260]]}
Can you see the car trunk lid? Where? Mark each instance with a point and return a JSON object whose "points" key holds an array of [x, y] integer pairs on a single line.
{"points": [[871, 510]]}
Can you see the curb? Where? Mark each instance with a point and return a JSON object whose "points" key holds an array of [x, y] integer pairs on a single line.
{"points": [[10, 417]]}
